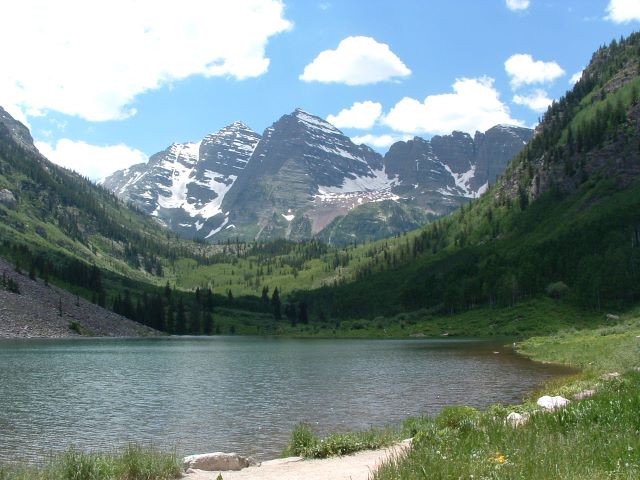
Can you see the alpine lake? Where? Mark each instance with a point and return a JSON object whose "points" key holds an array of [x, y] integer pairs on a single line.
{"points": [[237, 394]]}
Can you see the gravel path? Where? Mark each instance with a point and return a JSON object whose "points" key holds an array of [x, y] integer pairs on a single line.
{"points": [[358, 466], [35, 312]]}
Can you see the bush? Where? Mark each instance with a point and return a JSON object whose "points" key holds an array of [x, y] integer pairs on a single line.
{"points": [[305, 443], [557, 290], [458, 417], [302, 439]]}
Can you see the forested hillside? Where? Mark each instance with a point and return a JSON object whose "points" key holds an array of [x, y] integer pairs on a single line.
{"points": [[564, 220]]}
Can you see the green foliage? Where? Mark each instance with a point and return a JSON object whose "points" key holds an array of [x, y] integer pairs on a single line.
{"points": [[75, 326], [302, 439], [592, 438], [458, 417], [557, 290], [132, 463], [305, 443]]}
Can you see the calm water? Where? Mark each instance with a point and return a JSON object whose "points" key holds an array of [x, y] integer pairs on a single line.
{"points": [[235, 393]]}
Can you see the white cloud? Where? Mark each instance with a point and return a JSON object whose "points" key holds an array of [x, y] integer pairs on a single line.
{"points": [[538, 100], [91, 59], [623, 11], [575, 78], [517, 4], [92, 161], [379, 141], [473, 106], [360, 115], [524, 70], [356, 61]]}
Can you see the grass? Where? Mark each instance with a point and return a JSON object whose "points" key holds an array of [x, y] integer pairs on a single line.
{"points": [[305, 443], [596, 438], [592, 439], [132, 463]]}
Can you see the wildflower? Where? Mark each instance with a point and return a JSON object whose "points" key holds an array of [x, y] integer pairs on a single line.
{"points": [[499, 458]]}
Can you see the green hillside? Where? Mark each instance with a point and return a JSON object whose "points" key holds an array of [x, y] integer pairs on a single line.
{"points": [[564, 219]]}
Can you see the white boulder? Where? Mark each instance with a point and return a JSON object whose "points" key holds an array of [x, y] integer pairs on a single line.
{"points": [[552, 403], [216, 462], [516, 419]]}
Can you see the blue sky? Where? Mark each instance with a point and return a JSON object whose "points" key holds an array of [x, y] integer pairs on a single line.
{"points": [[103, 85]]}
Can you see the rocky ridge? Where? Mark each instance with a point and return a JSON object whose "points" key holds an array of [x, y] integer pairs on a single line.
{"points": [[303, 174]]}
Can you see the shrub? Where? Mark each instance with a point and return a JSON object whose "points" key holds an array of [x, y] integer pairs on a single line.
{"points": [[458, 417], [557, 290], [302, 439]]}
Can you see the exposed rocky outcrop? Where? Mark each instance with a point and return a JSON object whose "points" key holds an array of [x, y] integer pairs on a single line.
{"points": [[8, 199]]}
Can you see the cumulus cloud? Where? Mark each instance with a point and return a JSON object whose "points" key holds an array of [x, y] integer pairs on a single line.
{"points": [[92, 161], [575, 78], [524, 70], [474, 105], [538, 100], [517, 4], [356, 61], [623, 11], [91, 59], [379, 141], [361, 115]]}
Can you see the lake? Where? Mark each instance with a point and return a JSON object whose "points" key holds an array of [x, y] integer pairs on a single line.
{"points": [[242, 394]]}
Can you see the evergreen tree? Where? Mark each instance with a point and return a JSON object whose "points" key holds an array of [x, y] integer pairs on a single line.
{"points": [[275, 303], [181, 319]]}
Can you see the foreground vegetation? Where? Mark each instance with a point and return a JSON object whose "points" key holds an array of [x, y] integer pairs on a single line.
{"points": [[597, 437], [593, 438], [132, 463]]}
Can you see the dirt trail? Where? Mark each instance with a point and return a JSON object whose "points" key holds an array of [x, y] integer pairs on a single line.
{"points": [[358, 466]]}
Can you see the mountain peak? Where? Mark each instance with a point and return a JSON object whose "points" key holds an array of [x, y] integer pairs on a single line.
{"points": [[314, 122]]}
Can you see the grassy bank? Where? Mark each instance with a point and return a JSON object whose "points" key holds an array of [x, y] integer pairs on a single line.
{"points": [[595, 438], [132, 463]]}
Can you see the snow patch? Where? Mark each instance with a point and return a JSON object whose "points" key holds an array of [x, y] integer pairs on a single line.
{"points": [[378, 180], [288, 217], [216, 230]]}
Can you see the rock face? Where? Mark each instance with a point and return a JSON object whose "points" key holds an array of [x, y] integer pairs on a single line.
{"points": [[184, 185], [454, 166], [304, 175], [8, 199], [216, 462], [18, 131]]}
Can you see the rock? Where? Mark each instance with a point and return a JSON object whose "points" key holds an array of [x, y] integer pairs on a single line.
{"points": [[612, 317], [8, 199], [584, 394], [552, 403], [610, 376], [217, 462], [516, 419]]}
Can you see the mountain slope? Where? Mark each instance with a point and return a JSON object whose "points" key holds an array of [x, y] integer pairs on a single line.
{"points": [[184, 186], [564, 218], [303, 173]]}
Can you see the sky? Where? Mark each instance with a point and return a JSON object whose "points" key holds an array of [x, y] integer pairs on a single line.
{"points": [[106, 84]]}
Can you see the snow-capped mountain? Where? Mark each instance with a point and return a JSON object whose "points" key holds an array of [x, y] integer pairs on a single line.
{"points": [[455, 166], [184, 185], [303, 174]]}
